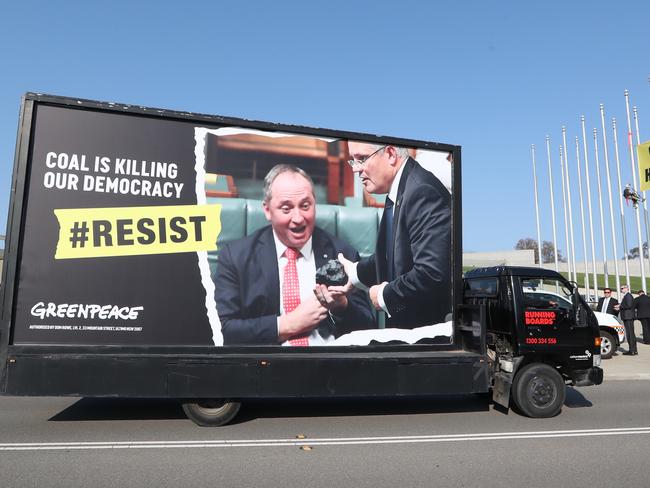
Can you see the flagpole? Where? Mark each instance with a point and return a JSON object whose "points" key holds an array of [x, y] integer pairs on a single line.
{"points": [[568, 186], [600, 207], [620, 203], [564, 208], [645, 203], [539, 234], [591, 218], [609, 193], [582, 220], [550, 180], [636, 211]]}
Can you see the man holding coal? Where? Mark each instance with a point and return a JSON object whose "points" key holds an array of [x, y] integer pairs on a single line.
{"points": [[265, 285]]}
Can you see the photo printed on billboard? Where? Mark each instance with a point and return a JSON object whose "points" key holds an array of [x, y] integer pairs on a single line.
{"points": [[148, 231]]}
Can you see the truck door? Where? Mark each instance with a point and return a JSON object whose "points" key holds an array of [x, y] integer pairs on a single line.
{"points": [[547, 317]]}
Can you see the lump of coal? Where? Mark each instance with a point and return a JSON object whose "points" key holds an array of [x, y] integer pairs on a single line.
{"points": [[331, 274]]}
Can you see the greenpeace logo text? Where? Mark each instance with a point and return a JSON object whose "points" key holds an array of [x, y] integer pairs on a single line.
{"points": [[85, 311]]}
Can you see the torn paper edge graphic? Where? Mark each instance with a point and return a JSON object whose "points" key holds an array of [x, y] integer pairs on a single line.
{"points": [[408, 336]]}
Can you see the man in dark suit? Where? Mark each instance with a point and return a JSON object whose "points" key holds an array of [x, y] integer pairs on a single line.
{"points": [[642, 307], [409, 275], [626, 309], [265, 287], [607, 303]]}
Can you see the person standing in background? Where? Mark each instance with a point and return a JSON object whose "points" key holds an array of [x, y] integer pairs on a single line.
{"points": [[642, 307], [626, 309], [607, 303]]}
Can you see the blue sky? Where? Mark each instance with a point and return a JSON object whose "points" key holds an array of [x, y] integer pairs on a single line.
{"points": [[493, 77]]}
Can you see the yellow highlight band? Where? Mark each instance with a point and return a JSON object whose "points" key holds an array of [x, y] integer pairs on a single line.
{"points": [[133, 231]]}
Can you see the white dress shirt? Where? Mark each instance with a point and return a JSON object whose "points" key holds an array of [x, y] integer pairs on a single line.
{"points": [[605, 305], [306, 267], [354, 278]]}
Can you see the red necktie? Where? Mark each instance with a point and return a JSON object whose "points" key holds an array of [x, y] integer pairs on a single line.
{"points": [[291, 290]]}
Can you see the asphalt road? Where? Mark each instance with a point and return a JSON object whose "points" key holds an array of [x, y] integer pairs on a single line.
{"points": [[601, 439]]}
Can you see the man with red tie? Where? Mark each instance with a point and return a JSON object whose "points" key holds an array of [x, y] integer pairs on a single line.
{"points": [[265, 286]]}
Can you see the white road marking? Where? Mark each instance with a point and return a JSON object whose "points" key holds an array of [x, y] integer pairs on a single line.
{"points": [[54, 446]]}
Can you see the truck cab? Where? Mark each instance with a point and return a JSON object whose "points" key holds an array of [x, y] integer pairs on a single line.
{"points": [[541, 335]]}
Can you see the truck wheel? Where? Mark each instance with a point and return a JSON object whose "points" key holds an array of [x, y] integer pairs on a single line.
{"points": [[538, 390], [607, 345], [211, 413]]}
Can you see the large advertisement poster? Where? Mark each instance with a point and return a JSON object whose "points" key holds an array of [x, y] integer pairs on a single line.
{"points": [[150, 231]]}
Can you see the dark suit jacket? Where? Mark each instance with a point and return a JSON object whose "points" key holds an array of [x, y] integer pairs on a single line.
{"points": [[642, 306], [420, 294], [247, 289], [627, 307], [610, 306]]}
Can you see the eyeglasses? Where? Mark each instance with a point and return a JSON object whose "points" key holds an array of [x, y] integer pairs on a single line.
{"points": [[608, 293], [356, 163]]}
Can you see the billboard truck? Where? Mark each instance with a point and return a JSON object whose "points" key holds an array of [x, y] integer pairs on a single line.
{"points": [[161, 254]]}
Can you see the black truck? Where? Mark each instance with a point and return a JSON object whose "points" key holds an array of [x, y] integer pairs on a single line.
{"points": [[535, 346], [112, 286]]}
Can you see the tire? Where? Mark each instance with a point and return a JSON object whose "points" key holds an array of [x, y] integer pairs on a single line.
{"points": [[538, 391], [211, 412], [607, 345]]}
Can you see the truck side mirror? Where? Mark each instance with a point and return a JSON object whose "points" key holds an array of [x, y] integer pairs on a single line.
{"points": [[581, 313]]}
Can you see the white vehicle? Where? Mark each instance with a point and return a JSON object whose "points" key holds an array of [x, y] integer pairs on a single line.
{"points": [[612, 331], [612, 334]]}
